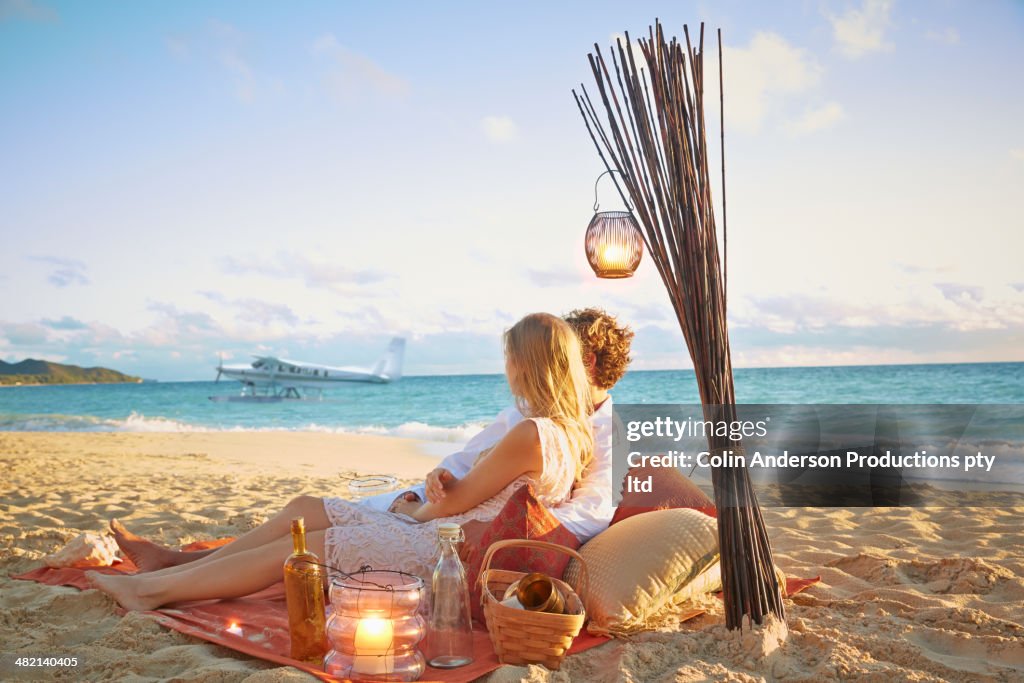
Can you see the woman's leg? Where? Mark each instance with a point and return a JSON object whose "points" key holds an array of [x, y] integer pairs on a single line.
{"points": [[231, 576], [149, 556]]}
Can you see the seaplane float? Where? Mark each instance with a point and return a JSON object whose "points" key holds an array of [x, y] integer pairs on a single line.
{"points": [[269, 379]]}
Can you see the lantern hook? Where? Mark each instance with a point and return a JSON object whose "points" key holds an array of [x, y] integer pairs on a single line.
{"points": [[610, 170]]}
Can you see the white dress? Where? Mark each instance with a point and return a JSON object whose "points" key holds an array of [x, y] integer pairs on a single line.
{"points": [[361, 536]]}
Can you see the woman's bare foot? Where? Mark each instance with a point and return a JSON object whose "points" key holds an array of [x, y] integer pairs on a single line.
{"points": [[126, 590], [147, 555]]}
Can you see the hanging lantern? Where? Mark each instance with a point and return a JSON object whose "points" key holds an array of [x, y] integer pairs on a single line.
{"points": [[613, 241]]}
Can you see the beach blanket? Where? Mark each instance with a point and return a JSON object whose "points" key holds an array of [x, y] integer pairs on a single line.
{"points": [[260, 621]]}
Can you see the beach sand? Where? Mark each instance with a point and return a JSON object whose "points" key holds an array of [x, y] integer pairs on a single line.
{"points": [[923, 594]]}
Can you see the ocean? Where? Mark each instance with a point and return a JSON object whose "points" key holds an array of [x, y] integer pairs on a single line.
{"points": [[451, 408]]}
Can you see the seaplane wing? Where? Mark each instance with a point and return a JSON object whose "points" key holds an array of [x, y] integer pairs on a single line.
{"points": [[284, 378]]}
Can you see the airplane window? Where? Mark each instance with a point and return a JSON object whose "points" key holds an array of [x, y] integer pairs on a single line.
{"points": [[258, 364], [280, 368]]}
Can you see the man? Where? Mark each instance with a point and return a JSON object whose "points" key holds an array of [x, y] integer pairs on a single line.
{"points": [[588, 511]]}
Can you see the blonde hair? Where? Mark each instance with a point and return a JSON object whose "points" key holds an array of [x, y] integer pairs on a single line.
{"points": [[552, 380]]}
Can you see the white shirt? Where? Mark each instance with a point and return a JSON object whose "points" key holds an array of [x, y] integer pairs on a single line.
{"points": [[589, 509]]}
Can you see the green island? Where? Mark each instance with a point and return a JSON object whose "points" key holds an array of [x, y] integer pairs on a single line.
{"points": [[31, 371]]}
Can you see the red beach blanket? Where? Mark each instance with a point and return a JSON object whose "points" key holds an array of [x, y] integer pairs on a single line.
{"points": [[263, 620]]}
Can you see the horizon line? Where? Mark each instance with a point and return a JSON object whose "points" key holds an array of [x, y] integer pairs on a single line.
{"points": [[690, 369]]}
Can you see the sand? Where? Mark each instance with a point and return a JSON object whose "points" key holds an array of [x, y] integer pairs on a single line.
{"points": [[922, 594]]}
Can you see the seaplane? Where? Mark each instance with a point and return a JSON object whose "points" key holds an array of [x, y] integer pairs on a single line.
{"points": [[269, 379]]}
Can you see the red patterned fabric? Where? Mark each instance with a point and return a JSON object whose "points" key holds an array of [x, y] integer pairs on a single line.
{"points": [[523, 517], [266, 614], [669, 489]]}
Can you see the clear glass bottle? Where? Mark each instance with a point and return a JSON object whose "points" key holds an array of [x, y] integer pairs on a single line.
{"points": [[450, 629], [304, 593]]}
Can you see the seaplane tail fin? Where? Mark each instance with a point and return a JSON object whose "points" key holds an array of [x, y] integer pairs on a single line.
{"points": [[390, 366]]}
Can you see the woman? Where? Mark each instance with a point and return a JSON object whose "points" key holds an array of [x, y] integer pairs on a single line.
{"points": [[551, 448]]}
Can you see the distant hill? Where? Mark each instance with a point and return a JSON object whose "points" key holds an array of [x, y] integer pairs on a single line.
{"points": [[31, 371]]}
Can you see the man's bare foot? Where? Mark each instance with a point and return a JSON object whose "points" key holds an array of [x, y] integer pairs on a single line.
{"points": [[147, 555], [124, 589]]}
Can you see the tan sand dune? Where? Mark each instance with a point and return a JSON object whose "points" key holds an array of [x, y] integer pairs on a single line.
{"points": [[927, 594]]}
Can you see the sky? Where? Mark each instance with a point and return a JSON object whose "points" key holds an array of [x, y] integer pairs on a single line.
{"points": [[186, 181]]}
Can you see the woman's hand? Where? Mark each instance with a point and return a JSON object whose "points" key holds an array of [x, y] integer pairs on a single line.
{"points": [[406, 507], [437, 480], [518, 453], [406, 496]]}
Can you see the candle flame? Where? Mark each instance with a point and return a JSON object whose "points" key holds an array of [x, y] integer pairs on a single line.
{"points": [[374, 635], [612, 253]]}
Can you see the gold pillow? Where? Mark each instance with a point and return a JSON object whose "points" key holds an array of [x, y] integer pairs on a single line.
{"points": [[645, 567]]}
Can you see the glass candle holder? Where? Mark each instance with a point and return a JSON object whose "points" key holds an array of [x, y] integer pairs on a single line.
{"points": [[375, 627]]}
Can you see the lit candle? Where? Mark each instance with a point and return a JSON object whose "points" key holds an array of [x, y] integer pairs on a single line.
{"points": [[612, 256], [234, 628], [373, 646]]}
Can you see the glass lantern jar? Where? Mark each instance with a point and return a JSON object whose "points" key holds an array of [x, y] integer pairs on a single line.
{"points": [[375, 627]]}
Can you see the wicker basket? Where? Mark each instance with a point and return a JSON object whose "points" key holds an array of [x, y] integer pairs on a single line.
{"points": [[524, 637]]}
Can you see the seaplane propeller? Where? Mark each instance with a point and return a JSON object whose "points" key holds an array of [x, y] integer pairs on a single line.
{"points": [[220, 366]]}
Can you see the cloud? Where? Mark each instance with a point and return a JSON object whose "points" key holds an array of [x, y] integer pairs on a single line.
{"points": [[258, 311], [553, 278], [1017, 153], [178, 47], [315, 274], [186, 322], [216, 297], [177, 343], [241, 73], [630, 312], [955, 292], [949, 36], [646, 313], [24, 334], [918, 269], [26, 10], [759, 78], [818, 118], [499, 128], [67, 272], [366, 317], [65, 323], [229, 48], [859, 32], [890, 353], [909, 306], [352, 75]]}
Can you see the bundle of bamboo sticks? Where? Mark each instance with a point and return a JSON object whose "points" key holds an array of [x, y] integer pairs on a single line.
{"points": [[656, 137]]}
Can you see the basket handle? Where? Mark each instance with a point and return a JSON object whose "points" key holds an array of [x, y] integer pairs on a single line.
{"points": [[582, 589]]}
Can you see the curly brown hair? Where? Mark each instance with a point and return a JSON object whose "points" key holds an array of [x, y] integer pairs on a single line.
{"points": [[601, 335]]}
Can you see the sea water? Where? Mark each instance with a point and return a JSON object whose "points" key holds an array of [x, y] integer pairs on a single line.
{"points": [[451, 408]]}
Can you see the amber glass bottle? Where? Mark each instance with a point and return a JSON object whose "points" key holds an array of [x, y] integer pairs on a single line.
{"points": [[304, 591]]}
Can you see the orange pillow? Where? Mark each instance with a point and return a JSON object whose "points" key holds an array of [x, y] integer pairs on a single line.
{"points": [[523, 517], [669, 489]]}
